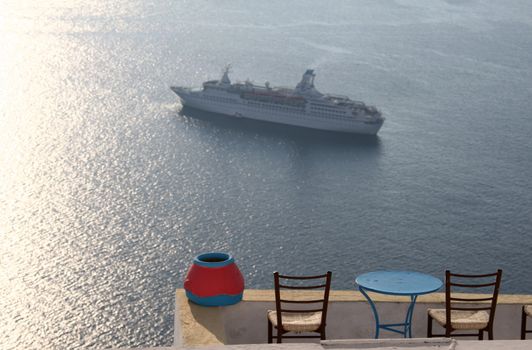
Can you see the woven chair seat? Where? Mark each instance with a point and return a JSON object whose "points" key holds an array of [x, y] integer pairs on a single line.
{"points": [[462, 319], [528, 310], [297, 322]]}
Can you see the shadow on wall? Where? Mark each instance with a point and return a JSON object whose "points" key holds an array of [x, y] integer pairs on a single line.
{"points": [[210, 320]]}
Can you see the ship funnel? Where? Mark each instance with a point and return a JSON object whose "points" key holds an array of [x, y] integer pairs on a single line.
{"points": [[307, 81]]}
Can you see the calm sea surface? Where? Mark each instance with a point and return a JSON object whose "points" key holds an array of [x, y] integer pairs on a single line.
{"points": [[107, 190]]}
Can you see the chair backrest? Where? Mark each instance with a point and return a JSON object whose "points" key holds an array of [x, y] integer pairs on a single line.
{"points": [[323, 283], [491, 281]]}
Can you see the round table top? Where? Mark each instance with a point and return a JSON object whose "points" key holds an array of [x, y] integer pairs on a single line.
{"points": [[399, 282]]}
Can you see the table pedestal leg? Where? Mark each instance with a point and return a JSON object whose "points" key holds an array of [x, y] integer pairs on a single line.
{"points": [[407, 325], [374, 309], [409, 314]]}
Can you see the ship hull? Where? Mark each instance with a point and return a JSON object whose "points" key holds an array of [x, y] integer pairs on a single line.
{"points": [[302, 119]]}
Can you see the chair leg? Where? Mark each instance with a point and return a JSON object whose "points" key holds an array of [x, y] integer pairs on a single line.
{"points": [[279, 336], [447, 330], [429, 326], [490, 333], [523, 323], [322, 334], [270, 332], [481, 335]]}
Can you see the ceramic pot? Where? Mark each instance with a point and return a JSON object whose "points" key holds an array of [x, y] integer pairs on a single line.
{"points": [[214, 280]]}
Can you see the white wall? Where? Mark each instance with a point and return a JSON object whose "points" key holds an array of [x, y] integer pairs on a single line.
{"points": [[245, 323]]}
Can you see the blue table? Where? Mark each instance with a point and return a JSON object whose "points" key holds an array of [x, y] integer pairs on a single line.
{"points": [[405, 283]]}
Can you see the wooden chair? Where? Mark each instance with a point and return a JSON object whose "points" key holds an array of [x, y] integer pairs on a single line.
{"points": [[526, 312], [299, 319], [461, 312]]}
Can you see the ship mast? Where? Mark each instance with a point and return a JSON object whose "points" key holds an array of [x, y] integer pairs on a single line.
{"points": [[225, 77]]}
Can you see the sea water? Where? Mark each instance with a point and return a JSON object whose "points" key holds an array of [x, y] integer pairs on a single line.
{"points": [[108, 190]]}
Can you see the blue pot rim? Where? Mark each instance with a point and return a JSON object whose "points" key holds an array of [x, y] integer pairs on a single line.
{"points": [[226, 259]]}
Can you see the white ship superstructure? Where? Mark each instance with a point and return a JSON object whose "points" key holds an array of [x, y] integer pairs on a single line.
{"points": [[303, 106]]}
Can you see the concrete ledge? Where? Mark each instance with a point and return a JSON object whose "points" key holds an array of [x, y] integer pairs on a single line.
{"points": [[371, 344], [267, 295], [198, 325], [349, 317]]}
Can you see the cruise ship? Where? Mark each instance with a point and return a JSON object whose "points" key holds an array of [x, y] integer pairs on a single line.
{"points": [[303, 106]]}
